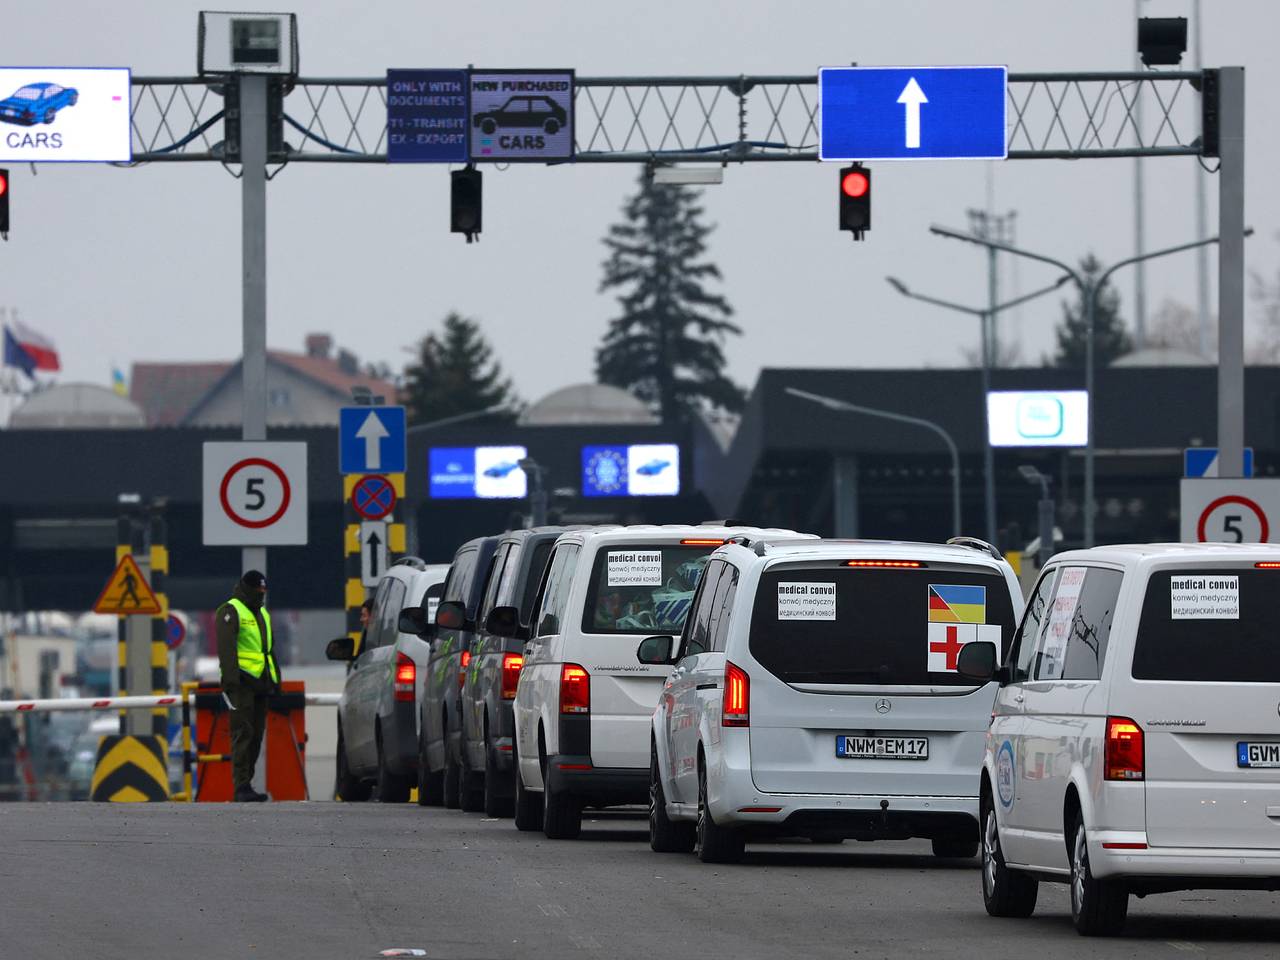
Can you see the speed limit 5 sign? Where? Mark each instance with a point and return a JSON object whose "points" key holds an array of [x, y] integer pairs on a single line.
{"points": [[255, 494], [1231, 511]]}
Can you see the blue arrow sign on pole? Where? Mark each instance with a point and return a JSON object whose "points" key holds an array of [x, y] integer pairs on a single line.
{"points": [[371, 440], [912, 113], [1203, 462]]}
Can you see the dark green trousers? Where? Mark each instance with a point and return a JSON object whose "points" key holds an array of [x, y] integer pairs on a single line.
{"points": [[248, 722]]}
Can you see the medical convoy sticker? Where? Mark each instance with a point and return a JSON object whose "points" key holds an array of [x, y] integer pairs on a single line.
{"points": [[957, 615], [1004, 774], [1205, 598], [634, 568], [806, 601]]}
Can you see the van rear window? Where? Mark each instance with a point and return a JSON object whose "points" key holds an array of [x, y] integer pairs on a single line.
{"points": [[1211, 626], [832, 624], [645, 588]]}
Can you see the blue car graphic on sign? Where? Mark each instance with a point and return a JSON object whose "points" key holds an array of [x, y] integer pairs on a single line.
{"points": [[653, 468], [500, 470], [37, 103]]}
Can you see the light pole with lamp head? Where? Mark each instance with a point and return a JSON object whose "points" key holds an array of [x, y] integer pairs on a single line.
{"points": [[1044, 512], [537, 491], [1089, 295], [986, 320]]}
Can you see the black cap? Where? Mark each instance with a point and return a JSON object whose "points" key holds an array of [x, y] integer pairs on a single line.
{"points": [[254, 579]]}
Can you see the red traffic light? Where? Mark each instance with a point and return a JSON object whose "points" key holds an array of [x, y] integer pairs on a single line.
{"points": [[855, 183]]}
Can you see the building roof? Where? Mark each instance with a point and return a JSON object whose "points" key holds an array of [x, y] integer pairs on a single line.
{"points": [[76, 405], [587, 403]]}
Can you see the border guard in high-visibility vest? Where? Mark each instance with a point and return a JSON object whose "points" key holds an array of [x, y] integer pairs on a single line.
{"points": [[250, 674]]}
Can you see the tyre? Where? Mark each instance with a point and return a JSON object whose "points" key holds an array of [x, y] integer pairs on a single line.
{"points": [[452, 789], [561, 812], [1098, 907], [528, 805], [496, 803], [49, 115], [716, 844], [430, 785], [551, 125], [73, 100], [665, 835], [349, 788], [471, 790], [1005, 892], [488, 125], [392, 788], [955, 849]]}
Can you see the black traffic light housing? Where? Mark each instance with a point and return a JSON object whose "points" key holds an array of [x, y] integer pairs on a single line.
{"points": [[855, 200], [465, 201], [4, 204]]}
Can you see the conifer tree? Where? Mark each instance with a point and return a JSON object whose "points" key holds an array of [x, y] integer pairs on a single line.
{"points": [[1110, 339], [454, 373]]}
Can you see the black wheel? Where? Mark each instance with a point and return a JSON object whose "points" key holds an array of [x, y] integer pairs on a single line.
{"points": [[528, 806], [488, 125], [496, 802], [452, 778], [1005, 892], [665, 835], [430, 785], [1098, 907], [73, 99], [551, 125], [561, 812], [955, 849], [349, 788], [471, 790], [392, 788], [49, 115], [716, 844]]}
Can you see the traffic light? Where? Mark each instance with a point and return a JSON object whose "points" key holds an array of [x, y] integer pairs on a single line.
{"points": [[4, 204], [465, 195], [855, 200]]}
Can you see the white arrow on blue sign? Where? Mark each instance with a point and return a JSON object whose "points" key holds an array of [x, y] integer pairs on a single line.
{"points": [[912, 113], [371, 440]]}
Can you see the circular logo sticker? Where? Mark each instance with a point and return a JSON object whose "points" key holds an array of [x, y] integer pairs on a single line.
{"points": [[1004, 774]]}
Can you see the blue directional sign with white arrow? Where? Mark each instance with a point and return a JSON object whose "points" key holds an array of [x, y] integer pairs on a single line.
{"points": [[371, 440], [912, 113]]}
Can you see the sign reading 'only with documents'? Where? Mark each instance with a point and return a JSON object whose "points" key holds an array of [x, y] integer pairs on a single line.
{"points": [[912, 113]]}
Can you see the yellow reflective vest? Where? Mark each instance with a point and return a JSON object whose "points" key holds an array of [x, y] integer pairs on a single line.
{"points": [[251, 652]]}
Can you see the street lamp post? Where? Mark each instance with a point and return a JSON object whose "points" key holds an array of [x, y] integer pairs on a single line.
{"points": [[831, 403], [1088, 294], [1044, 512], [987, 321]]}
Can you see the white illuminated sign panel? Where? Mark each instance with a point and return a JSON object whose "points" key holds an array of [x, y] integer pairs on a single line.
{"points": [[1038, 418], [64, 113]]}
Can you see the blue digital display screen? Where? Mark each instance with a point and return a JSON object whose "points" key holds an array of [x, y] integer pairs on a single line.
{"points": [[638, 470], [464, 473]]}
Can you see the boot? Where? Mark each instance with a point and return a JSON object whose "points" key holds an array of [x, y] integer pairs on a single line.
{"points": [[246, 794]]}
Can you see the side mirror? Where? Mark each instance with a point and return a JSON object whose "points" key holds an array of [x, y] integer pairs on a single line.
{"points": [[655, 651], [977, 661], [413, 620], [502, 621], [451, 615], [342, 648]]}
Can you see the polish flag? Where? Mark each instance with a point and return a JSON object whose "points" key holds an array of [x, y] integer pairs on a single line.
{"points": [[38, 347]]}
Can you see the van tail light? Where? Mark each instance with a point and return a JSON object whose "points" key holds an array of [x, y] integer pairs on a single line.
{"points": [[406, 675], [736, 709], [575, 689], [1125, 756], [511, 666], [464, 663], [703, 542]]}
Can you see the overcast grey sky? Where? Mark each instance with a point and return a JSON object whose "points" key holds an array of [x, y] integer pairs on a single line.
{"points": [[144, 264]]}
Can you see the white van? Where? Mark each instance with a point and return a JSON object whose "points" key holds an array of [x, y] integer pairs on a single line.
{"points": [[815, 693], [1135, 744], [583, 703]]}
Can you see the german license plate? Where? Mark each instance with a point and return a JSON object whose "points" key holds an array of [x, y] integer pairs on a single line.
{"points": [[1251, 753], [882, 748]]}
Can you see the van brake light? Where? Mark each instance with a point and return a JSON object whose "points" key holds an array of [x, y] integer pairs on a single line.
{"points": [[1124, 754], [703, 542], [406, 675], [735, 710], [575, 689], [512, 663]]}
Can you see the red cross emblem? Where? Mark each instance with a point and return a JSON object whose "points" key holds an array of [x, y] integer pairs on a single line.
{"points": [[951, 647]]}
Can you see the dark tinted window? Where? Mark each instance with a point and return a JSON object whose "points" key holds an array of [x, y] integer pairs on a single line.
{"points": [[1215, 626], [643, 588], [1079, 624], [1024, 646], [827, 623], [494, 578], [696, 637], [388, 612], [458, 584], [537, 565], [431, 600], [555, 597], [723, 607]]}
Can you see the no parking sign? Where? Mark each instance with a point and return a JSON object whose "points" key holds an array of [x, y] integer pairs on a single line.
{"points": [[255, 494], [1230, 511]]}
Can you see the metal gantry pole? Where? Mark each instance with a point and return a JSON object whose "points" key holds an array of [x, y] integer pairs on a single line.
{"points": [[1231, 272], [253, 194], [1202, 223], [1089, 294], [988, 322]]}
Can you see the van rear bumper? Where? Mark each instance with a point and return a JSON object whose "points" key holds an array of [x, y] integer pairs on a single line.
{"points": [[1163, 869], [604, 786], [854, 817]]}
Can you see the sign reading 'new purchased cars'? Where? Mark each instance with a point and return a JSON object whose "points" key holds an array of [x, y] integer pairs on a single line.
{"points": [[64, 113]]}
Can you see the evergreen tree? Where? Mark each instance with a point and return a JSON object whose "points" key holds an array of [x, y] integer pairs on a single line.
{"points": [[455, 373], [1110, 339], [666, 347]]}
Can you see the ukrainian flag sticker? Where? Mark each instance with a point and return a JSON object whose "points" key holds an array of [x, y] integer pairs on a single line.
{"points": [[957, 603]]}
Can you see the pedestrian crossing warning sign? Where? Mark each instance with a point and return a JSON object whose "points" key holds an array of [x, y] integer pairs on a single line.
{"points": [[127, 591]]}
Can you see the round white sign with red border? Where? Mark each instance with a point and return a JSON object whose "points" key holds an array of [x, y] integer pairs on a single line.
{"points": [[1230, 511], [255, 494]]}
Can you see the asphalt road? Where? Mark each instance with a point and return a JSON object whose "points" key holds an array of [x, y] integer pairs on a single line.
{"points": [[330, 880]]}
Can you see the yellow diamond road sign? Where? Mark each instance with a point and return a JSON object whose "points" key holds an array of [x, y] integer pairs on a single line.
{"points": [[127, 591]]}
